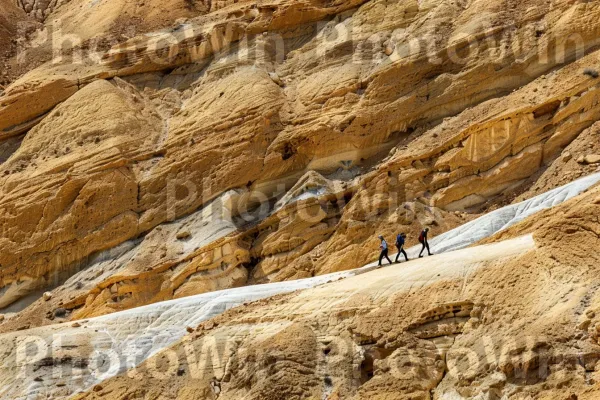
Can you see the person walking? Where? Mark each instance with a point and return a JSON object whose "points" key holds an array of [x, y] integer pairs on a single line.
{"points": [[400, 240], [384, 251], [423, 240]]}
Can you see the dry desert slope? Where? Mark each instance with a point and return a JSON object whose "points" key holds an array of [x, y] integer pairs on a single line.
{"points": [[156, 151]]}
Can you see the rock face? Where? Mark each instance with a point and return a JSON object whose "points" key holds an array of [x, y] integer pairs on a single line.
{"points": [[83, 179], [10, 16], [13, 23], [566, 168], [155, 150], [250, 98], [79, 31], [410, 332]]}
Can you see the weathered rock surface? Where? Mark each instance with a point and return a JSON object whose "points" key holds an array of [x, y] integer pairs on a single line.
{"points": [[208, 111], [13, 23], [566, 168], [370, 366], [251, 142], [70, 189], [402, 332], [79, 31]]}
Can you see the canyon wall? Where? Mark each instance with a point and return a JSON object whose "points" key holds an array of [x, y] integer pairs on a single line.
{"points": [[151, 151]]}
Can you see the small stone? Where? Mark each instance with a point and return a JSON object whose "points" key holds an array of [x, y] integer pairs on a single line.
{"points": [[183, 235], [592, 73], [590, 314], [585, 325], [566, 157], [47, 296], [76, 325], [589, 159], [2, 317], [592, 158], [417, 164], [275, 78], [216, 387], [60, 312], [189, 329], [97, 388]]}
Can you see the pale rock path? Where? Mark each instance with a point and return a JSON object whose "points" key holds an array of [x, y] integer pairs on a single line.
{"points": [[416, 274]]}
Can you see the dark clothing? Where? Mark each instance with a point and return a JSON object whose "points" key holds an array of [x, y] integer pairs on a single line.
{"points": [[424, 242], [425, 246], [384, 253], [399, 241], [401, 251]]}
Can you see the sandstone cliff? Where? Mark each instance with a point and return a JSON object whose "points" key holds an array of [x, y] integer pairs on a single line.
{"points": [[234, 100], [151, 151]]}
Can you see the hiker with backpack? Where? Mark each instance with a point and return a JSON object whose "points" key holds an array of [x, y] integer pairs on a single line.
{"points": [[384, 251], [423, 240], [400, 240]]}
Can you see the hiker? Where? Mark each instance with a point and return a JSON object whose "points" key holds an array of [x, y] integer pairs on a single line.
{"points": [[400, 240], [384, 251], [423, 240]]}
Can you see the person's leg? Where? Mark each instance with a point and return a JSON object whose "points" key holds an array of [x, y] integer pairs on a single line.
{"points": [[405, 255], [422, 249], [386, 256], [381, 257], [398, 255], [428, 251]]}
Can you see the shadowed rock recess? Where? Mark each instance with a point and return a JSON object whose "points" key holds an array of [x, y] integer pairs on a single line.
{"points": [[191, 193]]}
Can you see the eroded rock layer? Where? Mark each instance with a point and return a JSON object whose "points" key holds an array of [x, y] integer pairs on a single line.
{"points": [[151, 151], [428, 329]]}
